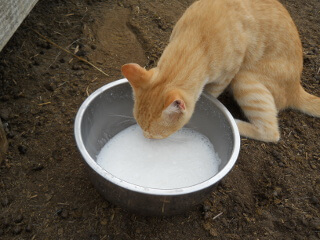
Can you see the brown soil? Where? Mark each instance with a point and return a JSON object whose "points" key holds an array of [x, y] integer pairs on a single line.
{"points": [[272, 193]]}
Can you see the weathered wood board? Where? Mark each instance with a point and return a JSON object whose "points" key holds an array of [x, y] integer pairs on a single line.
{"points": [[12, 13]]}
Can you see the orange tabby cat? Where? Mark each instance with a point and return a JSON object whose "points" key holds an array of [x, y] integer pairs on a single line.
{"points": [[250, 45]]}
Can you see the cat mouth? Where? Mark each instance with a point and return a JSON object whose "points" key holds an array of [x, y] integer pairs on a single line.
{"points": [[151, 136]]}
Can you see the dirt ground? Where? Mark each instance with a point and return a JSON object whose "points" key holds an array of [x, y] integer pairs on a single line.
{"points": [[273, 192]]}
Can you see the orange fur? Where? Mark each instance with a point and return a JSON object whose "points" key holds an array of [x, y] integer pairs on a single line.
{"points": [[250, 45]]}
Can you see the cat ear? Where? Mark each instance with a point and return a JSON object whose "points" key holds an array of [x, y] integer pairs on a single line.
{"points": [[136, 75], [174, 105]]}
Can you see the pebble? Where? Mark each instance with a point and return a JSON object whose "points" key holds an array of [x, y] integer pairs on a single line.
{"points": [[5, 113], [76, 67], [81, 53], [79, 73], [11, 134], [5, 222], [17, 230], [94, 237], [85, 66], [206, 208], [49, 86], [63, 213], [45, 45], [314, 200], [37, 167], [304, 221], [48, 197], [104, 222], [22, 149], [29, 228], [207, 215], [56, 155], [60, 231], [36, 63], [5, 201], [18, 218]]}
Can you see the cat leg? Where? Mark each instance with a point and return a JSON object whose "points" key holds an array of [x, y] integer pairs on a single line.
{"points": [[215, 89], [258, 105]]}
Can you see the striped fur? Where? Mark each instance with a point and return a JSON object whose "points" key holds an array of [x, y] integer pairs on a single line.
{"points": [[250, 45]]}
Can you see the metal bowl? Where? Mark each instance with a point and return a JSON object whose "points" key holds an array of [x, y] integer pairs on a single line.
{"points": [[100, 117]]}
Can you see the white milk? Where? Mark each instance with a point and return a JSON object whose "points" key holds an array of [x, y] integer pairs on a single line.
{"points": [[181, 160]]}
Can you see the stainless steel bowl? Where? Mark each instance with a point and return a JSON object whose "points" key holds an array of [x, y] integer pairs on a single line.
{"points": [[101, 116]]}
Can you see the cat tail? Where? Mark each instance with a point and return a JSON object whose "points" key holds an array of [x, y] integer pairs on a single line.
{"points": [[307, 103]]}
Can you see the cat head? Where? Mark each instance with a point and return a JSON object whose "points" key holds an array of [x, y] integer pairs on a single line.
{"points": [[158, 109]]}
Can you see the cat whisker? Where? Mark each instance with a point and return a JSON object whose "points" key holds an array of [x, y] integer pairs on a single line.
{"points": [[118, 115], [193, 128], [125, 122]]}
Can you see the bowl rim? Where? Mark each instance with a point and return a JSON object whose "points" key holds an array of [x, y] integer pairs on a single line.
{"points": [[148, 190]]}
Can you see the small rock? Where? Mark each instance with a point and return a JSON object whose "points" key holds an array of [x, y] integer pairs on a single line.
{"points": [[85, 67], [45, 45], [22, 149], [76, 67], [313, 166], [81, 53], [11, 134], [18, 218], [17, 230], [48, 197], [60, 231], [49, 86], [79, 73], [304, 221], [5, 201], [104, 222], [225, 222], [4, 114], [56, 155], [37, 167], [314, 200], [213, 232], [5, 222], [77, 213], [206, 208], [29, 228], [94, 237], [207, 215], [63, 213]]}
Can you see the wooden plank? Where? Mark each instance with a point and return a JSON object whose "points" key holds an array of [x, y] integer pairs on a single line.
{"points": [[12, 13]]}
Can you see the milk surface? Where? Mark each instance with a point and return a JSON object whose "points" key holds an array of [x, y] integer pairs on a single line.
{"points": [[183, 159]]}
